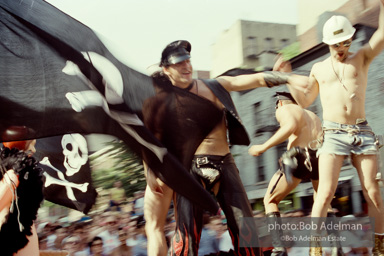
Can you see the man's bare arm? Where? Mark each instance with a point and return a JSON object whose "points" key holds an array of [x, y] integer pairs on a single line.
{"points": [[289, 120], [376, 43], [264, 79]]}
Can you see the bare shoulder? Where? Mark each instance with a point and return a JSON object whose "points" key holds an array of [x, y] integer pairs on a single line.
{"points": [[202, 90], [311, 114], [319, 70], [318, 66], [291, 111]]}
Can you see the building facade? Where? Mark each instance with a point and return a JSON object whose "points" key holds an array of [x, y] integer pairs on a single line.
{"points": [[250, 44]]}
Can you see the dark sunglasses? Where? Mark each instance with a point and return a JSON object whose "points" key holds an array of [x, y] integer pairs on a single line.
{"points": [[346, 43]]}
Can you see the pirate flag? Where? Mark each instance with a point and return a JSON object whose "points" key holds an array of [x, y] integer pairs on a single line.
{"points": [[57, 77], [66, 171]]}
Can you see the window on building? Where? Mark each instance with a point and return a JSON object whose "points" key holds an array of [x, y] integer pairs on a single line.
{"points": [[256, 112], [251, 48], [284, 43], [268, 44], [260, 169], [259, 161]]}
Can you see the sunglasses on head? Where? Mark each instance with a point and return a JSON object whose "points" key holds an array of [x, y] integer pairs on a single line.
{"points": [[346, 43]]}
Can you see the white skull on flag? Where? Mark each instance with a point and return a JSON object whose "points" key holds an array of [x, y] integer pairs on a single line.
{"points": [[75, 152]]}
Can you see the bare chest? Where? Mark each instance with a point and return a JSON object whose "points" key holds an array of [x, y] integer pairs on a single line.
{"points": [[342, 81]]}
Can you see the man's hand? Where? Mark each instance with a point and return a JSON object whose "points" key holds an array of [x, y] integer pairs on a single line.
{"points": [[282, 65], [296, 81], [256, 150], [153, 183]]}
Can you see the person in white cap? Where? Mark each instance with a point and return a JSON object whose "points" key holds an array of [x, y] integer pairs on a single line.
{"points": [[341, 81]]}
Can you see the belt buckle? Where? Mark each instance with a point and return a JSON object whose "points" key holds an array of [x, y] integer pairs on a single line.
{"points": [[202, 160], [360, 120]]}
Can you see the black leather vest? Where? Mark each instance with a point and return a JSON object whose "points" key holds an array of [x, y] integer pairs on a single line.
{"points": [[236, 130]]}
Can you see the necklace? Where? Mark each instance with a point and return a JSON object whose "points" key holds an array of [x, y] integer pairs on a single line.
{"points": [[342, 78]]}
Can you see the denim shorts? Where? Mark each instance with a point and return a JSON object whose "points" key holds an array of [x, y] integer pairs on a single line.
{"points": [[345, 139]]}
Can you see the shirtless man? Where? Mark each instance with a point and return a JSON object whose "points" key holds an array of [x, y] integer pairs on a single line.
{"points": [[341, 81], [302, 128], [213, 164]]}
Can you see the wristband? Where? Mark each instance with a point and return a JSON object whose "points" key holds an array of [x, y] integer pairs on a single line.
{"points": [[275, 78]]}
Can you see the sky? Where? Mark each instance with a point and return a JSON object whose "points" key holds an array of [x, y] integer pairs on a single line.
{"points": [[136, 31]]}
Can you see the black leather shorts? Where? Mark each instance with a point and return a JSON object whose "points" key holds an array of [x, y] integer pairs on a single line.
{"points": [[300, 163]]}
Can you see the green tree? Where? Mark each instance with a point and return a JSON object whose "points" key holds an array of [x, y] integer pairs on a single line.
{"points": [[121, 164], [291, 51]]}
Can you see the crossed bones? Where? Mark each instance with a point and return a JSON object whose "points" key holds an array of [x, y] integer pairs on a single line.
{"points": [[62, 181]]}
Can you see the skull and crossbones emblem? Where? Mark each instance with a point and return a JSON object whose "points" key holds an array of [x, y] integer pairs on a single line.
{"points": [[75, 153]]}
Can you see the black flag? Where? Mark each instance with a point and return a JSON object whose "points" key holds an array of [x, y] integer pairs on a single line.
{"points": [[66, 171], [57, 77]]}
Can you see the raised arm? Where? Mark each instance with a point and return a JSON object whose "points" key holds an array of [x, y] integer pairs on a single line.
{"points": [[288, 118], [376, 43], [264, 79]]}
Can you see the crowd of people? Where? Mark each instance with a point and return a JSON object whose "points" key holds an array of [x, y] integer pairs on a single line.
{"points": [[109, 233], [121, 233]]}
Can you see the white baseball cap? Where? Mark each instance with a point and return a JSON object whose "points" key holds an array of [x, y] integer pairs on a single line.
{"points": [[337, 29]]}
